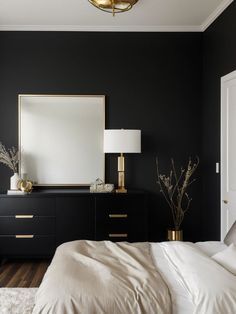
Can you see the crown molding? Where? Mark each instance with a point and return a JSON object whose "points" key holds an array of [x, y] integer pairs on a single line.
{"points": [[213, 16], [102, 28]]}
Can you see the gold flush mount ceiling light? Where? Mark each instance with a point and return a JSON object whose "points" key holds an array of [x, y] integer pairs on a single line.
{"points": [[113, 6]]}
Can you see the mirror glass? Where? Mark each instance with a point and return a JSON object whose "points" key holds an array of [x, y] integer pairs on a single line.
{"points": [[61, 139]]}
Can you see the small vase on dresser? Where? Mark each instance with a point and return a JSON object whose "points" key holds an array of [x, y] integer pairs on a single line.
{"points": [[14, 181], [10, 158]]}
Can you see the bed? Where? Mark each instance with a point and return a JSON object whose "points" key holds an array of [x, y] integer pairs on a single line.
{"points": [[180, 278], [105, 277]]}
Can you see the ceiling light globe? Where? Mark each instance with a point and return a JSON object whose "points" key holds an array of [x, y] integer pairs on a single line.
{"points": [[113, 6]]}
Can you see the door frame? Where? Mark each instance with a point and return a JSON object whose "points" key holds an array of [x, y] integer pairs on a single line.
{"points": [[228, 77]]}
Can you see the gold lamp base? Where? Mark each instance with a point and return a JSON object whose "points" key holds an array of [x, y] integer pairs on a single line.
{"points": [[121, 190], [121, 174]]}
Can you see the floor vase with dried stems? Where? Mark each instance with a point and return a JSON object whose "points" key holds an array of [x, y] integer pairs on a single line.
{"points": [[173, 187]]}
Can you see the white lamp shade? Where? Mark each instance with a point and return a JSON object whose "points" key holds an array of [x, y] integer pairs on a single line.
{"points": [[122, 141]]}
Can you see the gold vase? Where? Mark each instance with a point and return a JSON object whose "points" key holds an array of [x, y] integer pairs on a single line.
{"points": [[175, 235]]}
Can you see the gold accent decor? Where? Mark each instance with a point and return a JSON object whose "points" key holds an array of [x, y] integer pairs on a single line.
{"points": [[121, 174], [175, 235], [113, 6], [25, 185], [24, 216], [118, 235], [24, 236], [118, 215]]}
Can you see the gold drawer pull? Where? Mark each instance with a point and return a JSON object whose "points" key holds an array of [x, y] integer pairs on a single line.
{"points": [[24, 216], [118, 215], [118, 235], [24, 236]]}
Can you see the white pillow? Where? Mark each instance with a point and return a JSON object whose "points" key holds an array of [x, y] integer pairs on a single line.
{"points": [[227, 258], [231, 235], [211, 247]]}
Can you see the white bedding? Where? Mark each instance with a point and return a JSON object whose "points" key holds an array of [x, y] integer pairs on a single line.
{"points": [[91, 277], [210, 248], [180, 296], [181, 301], [196, 283]]}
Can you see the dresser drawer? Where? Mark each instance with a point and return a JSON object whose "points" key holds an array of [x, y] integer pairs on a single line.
{"points": [[107, 222], [131, 231], [121, 211], [36, 225], [27, 205], [35, 246], [121, 218]]}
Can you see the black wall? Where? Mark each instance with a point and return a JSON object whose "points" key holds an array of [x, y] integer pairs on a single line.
{"points": [[219, 59], [152, 82]]}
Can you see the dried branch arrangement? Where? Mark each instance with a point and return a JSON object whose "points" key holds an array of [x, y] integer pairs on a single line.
{"points": [[9, 157], [174, 189]]}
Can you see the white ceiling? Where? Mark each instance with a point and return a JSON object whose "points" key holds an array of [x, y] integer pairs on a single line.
{"points": [[79, 15]]}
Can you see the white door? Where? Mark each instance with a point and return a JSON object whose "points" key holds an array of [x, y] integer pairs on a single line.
{"points": [[228, 152]]}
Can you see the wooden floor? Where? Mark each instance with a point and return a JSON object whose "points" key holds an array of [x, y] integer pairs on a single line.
{"points": [[19, 273]]}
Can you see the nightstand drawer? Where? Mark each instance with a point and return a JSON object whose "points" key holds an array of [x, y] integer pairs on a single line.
{"points": [[118, 237], [113, 232], [121, 218], [27, 224], [27, 245], [123, 232], [109, 216], [27, 206]]}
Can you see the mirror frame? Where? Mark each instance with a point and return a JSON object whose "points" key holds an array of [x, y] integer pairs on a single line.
{"points": [[100, 99]]}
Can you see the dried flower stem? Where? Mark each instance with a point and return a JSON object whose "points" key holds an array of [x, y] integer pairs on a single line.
{"points": [[173, 188], [9, 157]]}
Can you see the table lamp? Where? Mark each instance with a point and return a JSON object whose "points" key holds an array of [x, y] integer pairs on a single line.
{"points": [[122, 141]]}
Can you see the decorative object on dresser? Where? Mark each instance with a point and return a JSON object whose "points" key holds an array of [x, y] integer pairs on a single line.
{"points": [[25, 186], [10, 158], [34, 225], [113, 6], [122, 141], [174, 189], [100, 187]]}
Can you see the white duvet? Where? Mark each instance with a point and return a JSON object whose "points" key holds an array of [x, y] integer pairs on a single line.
{"points": [[90, 277], [121, 278], [209, 287]]}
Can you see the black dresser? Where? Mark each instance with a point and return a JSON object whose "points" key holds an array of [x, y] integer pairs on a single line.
{"points": [[34, 225]]}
